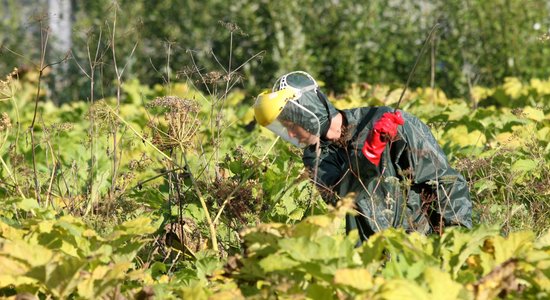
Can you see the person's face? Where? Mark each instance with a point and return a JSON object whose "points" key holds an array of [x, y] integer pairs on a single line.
{"points": [[303, 136]]}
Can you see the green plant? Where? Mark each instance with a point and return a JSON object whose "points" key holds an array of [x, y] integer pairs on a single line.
{"points": [[46, 254]]}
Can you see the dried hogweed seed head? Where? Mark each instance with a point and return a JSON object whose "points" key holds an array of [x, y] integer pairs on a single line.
{"points": [[186, 72], [6, 85], [5, 121], [62, 127], [181, 119], [232, 27], [174, 103], [213, 77], [101, 114]]}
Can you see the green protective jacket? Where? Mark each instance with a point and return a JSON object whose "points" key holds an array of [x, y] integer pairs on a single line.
{"points": [[413, 187]]}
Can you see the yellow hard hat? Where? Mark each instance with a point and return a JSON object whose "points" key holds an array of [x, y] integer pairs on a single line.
{"points": [[269, 105]]}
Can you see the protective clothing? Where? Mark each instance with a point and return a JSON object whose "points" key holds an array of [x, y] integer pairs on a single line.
{"points": [[384, 130], [413, 186], [391, 161]]}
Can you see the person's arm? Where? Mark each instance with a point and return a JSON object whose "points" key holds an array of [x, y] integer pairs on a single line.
{"points": [[328, 174], [383, 131]]}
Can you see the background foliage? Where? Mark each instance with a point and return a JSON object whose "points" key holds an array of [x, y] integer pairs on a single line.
{"points": [[339, 42]]}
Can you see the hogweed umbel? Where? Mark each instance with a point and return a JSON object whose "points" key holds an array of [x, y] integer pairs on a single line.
{"points": [[180, 123]]}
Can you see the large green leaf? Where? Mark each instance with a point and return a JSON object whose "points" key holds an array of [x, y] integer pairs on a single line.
{"points": [[278, 262]]}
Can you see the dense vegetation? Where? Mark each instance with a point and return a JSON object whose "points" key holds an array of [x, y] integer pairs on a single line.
{"points": [[151, 196], [170, 190]]}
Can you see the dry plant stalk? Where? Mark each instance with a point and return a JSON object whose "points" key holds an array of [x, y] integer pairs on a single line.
{"points": [[178, 128]]}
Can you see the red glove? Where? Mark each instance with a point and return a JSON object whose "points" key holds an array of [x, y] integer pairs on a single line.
{"points": [[384, 129]]}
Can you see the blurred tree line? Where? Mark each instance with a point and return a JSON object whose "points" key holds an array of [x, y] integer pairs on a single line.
{"points": [[338, 41]]}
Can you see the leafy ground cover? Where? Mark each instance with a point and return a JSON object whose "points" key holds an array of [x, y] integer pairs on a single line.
{"points": [[170, 192]]}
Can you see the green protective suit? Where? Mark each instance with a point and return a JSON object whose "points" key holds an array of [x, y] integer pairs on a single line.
{"points": [[413, 187]]}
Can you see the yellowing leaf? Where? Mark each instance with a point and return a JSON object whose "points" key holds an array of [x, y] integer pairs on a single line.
{"points": [[460, 135], [11, 233], [34, 255], [479, 93], [235, 98], [11, 267], [402, 289], [543, 134], [90, 233], [541, 86], [513, 87], [233, 293], [86, 286], [533, 113], [441, 285], [18, 280], [321, 221], [248, 116], [512, 246], [431, 96], [180, 89], [544, 240], [508, 140], [458, 111], [359, 279]]}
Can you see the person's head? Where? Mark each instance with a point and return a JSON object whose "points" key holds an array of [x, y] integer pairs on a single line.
{"points": [[296, 109], [299, 133]]}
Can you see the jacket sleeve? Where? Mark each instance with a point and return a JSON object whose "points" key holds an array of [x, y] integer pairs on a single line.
{"points": [[450, 196], [326, 172]]}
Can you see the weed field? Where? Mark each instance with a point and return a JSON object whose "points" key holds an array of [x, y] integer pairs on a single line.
{"points": [[171, 191]]}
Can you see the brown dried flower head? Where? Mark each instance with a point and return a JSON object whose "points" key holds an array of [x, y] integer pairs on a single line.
{"points": [[232, 27], [6, 85], [5, 122], [180, 118], [213, 77]]}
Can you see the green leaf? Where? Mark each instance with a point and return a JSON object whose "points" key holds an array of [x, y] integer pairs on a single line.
{"points": [[207, 262], [277, 262], [317, 291], [27, 204], [102, 280], [64, 277], [523, 165], [485, 185], [456, 246]]}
